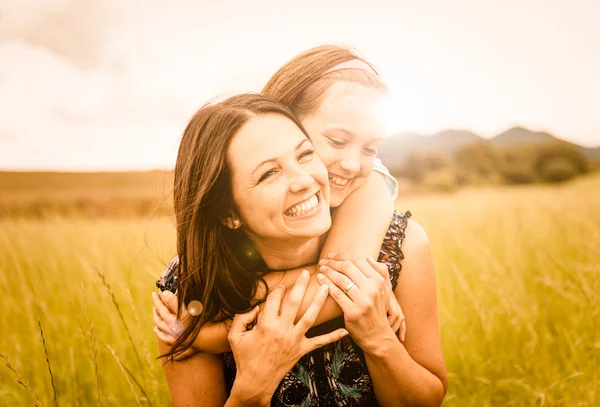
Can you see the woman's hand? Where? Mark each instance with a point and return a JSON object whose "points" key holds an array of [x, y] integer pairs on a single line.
{"points": [[395, 315], [361, 291], [268, 350]]}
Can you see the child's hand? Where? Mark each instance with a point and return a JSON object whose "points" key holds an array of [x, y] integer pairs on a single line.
{"points": [[168, 327]]}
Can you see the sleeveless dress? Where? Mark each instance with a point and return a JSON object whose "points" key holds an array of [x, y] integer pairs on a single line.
{"points": [[335, 374]]}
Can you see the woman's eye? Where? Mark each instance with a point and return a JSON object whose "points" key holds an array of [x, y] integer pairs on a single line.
{"points": [[267, 175], [337, 143], [306, 154]]}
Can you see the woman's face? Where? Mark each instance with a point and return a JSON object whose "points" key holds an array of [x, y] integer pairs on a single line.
{"points": [[346, 130], [280, 187]]}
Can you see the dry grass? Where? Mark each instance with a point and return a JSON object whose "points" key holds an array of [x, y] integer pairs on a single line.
{"points": [[518, 280]]}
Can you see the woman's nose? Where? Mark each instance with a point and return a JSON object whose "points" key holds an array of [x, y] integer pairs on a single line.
{"points": [[301, 182]]}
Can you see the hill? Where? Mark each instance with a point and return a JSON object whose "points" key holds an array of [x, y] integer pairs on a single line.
{"points": [[396, 147]]}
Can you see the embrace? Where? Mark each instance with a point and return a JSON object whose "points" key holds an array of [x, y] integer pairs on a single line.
{"points": [[296, 283]]}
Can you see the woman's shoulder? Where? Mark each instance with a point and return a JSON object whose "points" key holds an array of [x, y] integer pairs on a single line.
{"points": [[404, 238], [403, 228], [415, 237], [168, 280]]}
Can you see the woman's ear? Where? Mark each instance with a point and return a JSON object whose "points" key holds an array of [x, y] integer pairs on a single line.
{"points": [[232, 222]]}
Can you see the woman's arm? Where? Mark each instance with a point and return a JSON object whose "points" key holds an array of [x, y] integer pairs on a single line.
{"points": [[199, 380], [196, 381], [412, 373], [264, 354], [359, 226]]}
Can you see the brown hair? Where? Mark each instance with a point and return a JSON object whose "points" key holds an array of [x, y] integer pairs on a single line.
{"points": [[301, 83], [209, 270]]}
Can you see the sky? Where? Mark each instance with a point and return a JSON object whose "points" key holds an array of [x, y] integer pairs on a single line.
{"points": [[109, 85]]}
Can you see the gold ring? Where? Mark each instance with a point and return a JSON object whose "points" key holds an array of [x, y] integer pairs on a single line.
{"points": [[348, 288]]}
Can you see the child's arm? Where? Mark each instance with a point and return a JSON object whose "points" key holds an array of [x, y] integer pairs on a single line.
{"points": [[359, 227]]}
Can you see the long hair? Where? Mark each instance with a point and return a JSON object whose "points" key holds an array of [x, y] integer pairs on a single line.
{"points": [[209, 270], [301, 83]]}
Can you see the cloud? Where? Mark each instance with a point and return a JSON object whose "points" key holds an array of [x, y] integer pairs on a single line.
{"points": [[75, 30]]}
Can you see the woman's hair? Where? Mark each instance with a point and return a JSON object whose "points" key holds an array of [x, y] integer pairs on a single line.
{"points": [[301, 83], [210, 270]]}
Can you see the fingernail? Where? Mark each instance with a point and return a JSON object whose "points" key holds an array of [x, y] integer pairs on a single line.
{"points": [[320, 277], [331, 255], [323, 268], [166, 293], [370, 258], [323, 262], [324, 288], [344, 332], [305, 273]]}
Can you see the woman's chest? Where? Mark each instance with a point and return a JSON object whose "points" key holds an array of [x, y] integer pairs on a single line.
{"points": [[333, 375]]}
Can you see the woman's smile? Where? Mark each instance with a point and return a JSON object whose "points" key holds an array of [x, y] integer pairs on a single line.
{"points": [[305, 208]]}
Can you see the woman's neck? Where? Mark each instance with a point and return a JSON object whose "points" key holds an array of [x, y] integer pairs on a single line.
{"points": [[289, 254]]}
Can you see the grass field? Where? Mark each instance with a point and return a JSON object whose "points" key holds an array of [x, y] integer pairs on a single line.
{"points": [[518, 281]]}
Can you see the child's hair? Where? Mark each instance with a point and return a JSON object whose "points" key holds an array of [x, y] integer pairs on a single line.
{"points": [[301, 83]]}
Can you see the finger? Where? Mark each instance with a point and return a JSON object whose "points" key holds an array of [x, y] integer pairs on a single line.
{"points": [[368, 268], [273, 303], [164, 312], [170, 300], [347, 268], [344, 284], [337, 294], [240, 322], [175, 328], [160, 324], [322, 340], [342, 256], [394, 321], [167, 339], [382, 269], [396, 310], [292, 304], [403, 331], [310, 316], [394, 316]]}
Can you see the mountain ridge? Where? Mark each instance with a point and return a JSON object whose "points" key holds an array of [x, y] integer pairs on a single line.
{"points": [[398, 145]]}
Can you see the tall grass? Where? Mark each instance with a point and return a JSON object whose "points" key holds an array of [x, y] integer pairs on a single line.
{"points": [[518, 281]]}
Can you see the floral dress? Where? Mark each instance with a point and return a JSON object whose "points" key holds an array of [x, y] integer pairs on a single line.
{"points": [[335, 374]]}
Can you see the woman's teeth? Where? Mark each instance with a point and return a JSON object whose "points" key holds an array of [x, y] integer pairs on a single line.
{"points": [[303, 207], [338, 181]]}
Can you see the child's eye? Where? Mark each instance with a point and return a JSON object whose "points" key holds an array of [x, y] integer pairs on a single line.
{"points": [[336, 143], [370, 151]]}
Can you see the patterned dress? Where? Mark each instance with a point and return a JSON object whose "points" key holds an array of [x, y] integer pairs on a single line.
{"points": [[335, 374]]}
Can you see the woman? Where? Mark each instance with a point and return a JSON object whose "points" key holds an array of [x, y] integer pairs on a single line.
{"points": [[339, 98], [326, 80], [240, 156]]}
